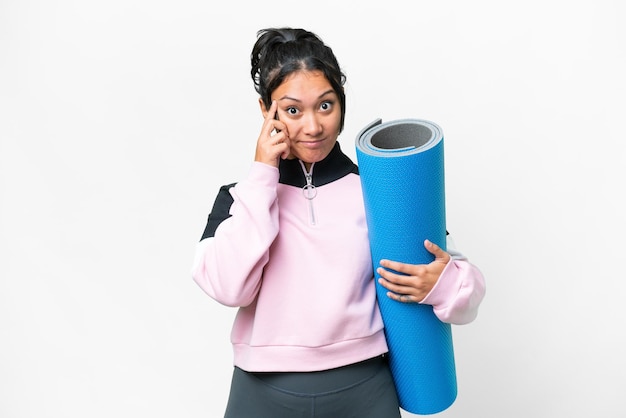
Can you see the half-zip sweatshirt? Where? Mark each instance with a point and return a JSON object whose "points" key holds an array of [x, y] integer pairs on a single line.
{"points": [[290, 249]]}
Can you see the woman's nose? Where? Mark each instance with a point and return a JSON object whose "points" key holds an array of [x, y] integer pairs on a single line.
{"points": [[312, 125]]}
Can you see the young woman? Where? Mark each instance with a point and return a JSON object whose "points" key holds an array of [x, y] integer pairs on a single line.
{"points": [[288, 246]]}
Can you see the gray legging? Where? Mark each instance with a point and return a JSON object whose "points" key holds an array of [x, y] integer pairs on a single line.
{"points": [[363, 390]]}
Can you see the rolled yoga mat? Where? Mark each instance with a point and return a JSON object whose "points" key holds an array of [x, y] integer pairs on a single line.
{"points": [[401, 166]]}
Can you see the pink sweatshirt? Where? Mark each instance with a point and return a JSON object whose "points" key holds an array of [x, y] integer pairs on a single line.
{"points": [[300, 269]]}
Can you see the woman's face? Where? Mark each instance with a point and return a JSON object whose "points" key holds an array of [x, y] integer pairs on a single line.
{"points": [[310, 108]]}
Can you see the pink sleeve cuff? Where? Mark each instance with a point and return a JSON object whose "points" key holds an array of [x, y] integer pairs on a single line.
{"points": [[458, 293]]}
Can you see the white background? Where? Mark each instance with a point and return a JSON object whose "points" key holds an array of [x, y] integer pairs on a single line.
{"points": [[120, 119]]}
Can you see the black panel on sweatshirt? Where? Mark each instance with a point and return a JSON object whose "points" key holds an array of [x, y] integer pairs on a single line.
{"points": [[220, 211]]}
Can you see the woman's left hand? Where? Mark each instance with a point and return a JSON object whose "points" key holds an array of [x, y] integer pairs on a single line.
{"points": [[417, 280]]}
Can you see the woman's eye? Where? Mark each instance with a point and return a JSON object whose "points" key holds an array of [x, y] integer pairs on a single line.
{"points": [[292, 111], [326, 105]]}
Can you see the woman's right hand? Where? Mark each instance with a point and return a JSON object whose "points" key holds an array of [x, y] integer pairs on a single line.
{"points": [[273, 142]]}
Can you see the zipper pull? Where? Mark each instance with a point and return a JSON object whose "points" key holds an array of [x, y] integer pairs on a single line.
{"points": [[308, 190]]}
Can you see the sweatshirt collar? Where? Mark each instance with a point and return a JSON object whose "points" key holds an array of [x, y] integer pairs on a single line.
{"points": [[335, 166]]}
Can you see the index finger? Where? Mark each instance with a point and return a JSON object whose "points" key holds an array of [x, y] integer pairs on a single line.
{"points": [[396, 266], [271, 112], [271, 118]]}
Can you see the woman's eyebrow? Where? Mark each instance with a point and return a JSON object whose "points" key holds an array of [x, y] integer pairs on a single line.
{"points": [[298, 100]]}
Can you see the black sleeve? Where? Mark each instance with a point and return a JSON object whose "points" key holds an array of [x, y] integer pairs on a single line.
{"points": [[220, 211]]}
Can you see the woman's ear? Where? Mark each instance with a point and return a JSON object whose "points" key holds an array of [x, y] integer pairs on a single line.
{"points": [[263, 108]]}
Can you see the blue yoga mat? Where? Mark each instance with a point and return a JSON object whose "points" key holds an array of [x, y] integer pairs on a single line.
{"points": [[401, 165]]}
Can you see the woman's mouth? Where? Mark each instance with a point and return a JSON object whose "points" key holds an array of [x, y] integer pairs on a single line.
{"points": [[311, 144]]}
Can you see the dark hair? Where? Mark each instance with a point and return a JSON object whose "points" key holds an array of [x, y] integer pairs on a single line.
{"points": [[279, 52]]}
